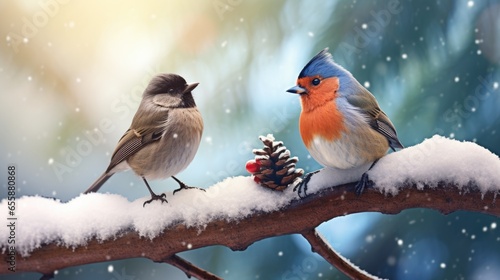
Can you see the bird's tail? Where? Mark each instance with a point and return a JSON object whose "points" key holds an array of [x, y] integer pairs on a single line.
{"points": [[98, 183]]}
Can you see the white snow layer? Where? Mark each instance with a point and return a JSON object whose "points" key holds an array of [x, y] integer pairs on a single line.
{"points": [[435, 160], [102, 215], [43, 220]]}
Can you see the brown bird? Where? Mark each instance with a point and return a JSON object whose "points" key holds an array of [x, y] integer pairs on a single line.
{"points": [[164, 135]]}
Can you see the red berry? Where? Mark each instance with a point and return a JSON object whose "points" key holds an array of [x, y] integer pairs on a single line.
{"points": [[252, 166], [256, 180]]}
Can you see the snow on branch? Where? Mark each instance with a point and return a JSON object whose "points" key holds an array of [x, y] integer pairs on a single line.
{"points": [[441, 174]]}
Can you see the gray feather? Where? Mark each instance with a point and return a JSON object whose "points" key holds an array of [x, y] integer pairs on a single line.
{"points": [[98, 183], [377, 119]]}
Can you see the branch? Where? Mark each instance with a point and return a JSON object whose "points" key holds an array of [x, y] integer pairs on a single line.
{"points": [[190, 269], [300, 216], [320, 245]]}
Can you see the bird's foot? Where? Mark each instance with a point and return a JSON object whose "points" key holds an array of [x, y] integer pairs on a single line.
{"points": [[154, 197], [184, 186], [363, 183], [302, 187]]}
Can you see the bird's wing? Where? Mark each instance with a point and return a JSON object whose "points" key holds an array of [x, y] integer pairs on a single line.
{"points": [[384, 126], [132, 141], [377, 119]]}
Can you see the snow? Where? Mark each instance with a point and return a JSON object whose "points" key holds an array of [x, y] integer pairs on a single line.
{"points": [[438, 159], [435, 160], [328, 177], [103, 216]]}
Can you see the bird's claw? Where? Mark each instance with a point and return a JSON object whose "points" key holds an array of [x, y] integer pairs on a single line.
{"points": [[303, 184], [186, 187], [161, 197], [183, 186], [363, 183]]}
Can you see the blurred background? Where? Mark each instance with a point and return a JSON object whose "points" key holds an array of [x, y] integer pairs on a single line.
{"points": [[72, 74]]}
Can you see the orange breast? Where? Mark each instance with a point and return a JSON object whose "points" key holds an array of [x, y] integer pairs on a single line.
{"points": [[320, 116], [325, 121]]}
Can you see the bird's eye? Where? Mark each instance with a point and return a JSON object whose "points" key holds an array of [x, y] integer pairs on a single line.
{"points": [[316, 81], [171, 90]]}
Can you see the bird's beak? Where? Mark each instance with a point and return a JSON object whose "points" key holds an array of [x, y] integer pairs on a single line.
{"points": [[297, 90], [190, 87]]}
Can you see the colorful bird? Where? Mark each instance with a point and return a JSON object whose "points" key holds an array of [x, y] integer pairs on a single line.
{"points": [[341, 123], [164, 135]]}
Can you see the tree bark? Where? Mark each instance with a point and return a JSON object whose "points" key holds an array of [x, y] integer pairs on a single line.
{"points": [[320, 245]]}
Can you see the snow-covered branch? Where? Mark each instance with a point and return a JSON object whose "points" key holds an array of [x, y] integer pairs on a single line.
{"points": [[299, 216], [441, 174]]}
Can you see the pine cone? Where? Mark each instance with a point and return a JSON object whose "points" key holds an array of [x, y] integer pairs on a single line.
{"points": [[273, 167]]}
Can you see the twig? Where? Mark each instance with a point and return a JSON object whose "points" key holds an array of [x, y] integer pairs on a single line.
{"points": [[190, 269], [321, 246]]}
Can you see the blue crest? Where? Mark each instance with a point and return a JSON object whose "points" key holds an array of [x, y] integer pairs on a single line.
{"points": [[322, 64]]}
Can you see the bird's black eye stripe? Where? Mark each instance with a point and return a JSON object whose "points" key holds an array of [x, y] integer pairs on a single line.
{"points": [[316, 81]]}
